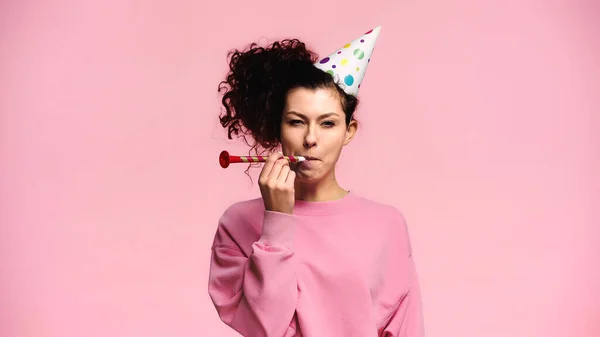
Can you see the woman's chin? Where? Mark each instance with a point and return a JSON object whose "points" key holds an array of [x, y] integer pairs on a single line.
{"points": [[306, 176], [307, 172]]}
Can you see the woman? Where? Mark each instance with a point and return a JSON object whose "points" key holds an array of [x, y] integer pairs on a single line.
{"points": [[309, 258]]}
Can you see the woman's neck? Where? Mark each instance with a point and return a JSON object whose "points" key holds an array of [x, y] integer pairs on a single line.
{"points": [[322, 191]]}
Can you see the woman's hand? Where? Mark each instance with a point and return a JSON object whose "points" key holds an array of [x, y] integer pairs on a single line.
{"points": [[276, 182]]}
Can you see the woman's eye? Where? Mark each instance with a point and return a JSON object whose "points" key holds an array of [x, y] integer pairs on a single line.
{"points": [[328, 124], [295, 122]]}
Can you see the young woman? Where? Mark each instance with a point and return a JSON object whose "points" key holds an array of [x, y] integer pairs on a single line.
{"points": [[309, 258]]}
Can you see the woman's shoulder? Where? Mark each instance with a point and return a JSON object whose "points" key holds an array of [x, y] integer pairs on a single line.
{"points": [[239, 224], [241, 218], [382, 208], [244, 209], [391, 220]]}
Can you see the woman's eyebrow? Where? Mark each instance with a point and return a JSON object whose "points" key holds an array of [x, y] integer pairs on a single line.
{"points": [[323, 116]]}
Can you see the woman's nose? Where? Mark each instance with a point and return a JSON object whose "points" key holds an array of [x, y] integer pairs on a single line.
{"points": [[310, 140]]}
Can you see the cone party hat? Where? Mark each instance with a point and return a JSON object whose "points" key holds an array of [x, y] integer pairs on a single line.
{"points": [[348, 64]]}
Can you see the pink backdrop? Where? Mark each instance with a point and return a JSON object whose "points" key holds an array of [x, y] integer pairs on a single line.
{"points": [[110, 188]]}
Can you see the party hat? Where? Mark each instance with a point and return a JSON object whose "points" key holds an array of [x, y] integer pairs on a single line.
{"points": [[348, 64]]}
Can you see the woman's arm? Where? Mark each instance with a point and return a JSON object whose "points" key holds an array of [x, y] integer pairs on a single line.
{"points": [[256, 295], [407, 320]]}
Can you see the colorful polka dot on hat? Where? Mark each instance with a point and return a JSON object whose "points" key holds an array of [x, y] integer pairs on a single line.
{"points": [[348, 64]]}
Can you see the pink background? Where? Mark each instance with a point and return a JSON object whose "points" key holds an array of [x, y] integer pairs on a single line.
{"points": [[110, 188]]}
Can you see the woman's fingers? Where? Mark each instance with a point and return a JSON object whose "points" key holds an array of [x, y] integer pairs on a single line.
{"points": [[291, 177], [283, 174], [268, 167]]}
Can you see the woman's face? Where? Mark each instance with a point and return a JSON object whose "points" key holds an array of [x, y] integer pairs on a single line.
{"points": [[313, 125]]}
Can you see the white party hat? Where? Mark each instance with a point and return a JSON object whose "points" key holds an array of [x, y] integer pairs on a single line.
{"points": [[348, 64]]}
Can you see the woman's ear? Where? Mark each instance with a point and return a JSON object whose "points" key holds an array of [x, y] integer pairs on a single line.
{"points": [[351, 131]]}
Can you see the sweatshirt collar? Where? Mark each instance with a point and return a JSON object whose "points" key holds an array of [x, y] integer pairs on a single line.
{"points": [[325, 207]]}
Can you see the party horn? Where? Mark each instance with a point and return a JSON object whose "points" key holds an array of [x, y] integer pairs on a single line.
{"points": [[225, 159]]}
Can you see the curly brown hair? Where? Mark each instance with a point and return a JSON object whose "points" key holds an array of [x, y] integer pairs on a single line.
{"points": [[256, 86]]}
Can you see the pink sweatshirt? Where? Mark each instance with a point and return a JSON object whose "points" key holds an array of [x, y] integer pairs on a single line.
{"points": [[335, 268]]}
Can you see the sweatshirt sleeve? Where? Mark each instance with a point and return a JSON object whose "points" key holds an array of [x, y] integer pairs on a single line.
{"points": [[256, 294], [407, 320]]}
